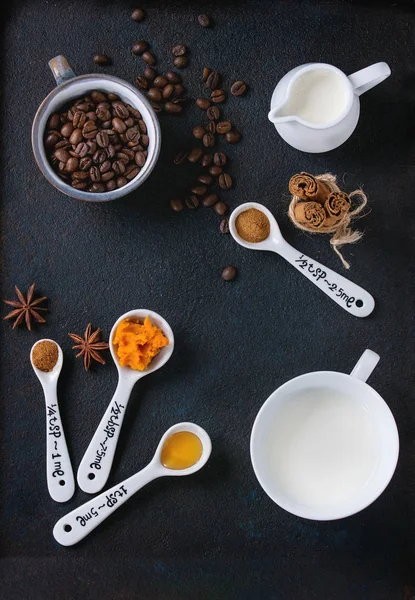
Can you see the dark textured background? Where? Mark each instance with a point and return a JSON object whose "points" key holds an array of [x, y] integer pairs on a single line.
{"points": [[215, 535]]}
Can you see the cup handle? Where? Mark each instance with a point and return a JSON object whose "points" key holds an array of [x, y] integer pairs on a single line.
{"points": [[365, 365], [365, 79], [61, 69]]}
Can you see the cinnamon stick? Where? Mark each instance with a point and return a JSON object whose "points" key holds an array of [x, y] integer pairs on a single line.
{"points": [[307, 187], [336, 206], [310, 214]]}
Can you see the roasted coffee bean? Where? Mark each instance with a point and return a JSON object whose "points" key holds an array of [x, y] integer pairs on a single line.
{"points": [[85, 163], [133, 173], [79, 185], [195, 155], [120, 110], [179, 89], [67, 130], [215, 170], [206, 73], [92, 147], [72, 165], [79, 119], [89, 130], [119, 125], [63, 144], [118, 147], [110, 150], [224, 225], [221, 208], [208, 140], [176, 204], [139, 47], [62, 167], [99, 157], [130, 152], [62, 155], [112, 97], [142, 126], [129, 122], [84, 106], [111, 185], [168, 91], [179, 50], [154, 94], [220, 159], [80, 175], [173, 77], [180, 62], [160, 81], [209, 200], [103, 114], [94, 174], [212, 80], [145, 140], [123, 157], [91, 116], [97, 97], [54, 121], [218, 96], [180, 157], [225, 181], [105, 166], [204, 20], [192, 201], [138, 15], [140, 159], [106, 124], [107, 176], [229, 273], [213, 113], [223, 127], [64, 118], [101, 59], [179, 100], [52, 139], [203, 103], [206, 159], [133, 111], [199, 132], [238, 88], [171, 107], [211, 127], [199, 190], [97, 188], [82, 149], [150, 73], [102, 139], [149, 58], [233, 137], [121, 181], [141, 82], [157, 107], [118, 167], [204, 178], [133, 135]]}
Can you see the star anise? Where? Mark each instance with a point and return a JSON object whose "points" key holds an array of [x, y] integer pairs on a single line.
{"points": [[25, 308], [90, 346]]}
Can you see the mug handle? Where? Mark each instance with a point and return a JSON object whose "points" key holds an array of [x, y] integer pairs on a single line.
{"points": [[365, 79], [61, 69], [365, 365]]}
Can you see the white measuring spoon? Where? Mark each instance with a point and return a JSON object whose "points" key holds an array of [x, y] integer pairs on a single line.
{"points": [[348, 295], [59, 474], [96, 463], [80, 522]]}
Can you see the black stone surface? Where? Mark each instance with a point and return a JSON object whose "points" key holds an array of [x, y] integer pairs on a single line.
{"points": [[215, 535]]}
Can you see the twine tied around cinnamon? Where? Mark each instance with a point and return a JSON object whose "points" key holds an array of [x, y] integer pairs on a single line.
{"points": [[319, 206]]}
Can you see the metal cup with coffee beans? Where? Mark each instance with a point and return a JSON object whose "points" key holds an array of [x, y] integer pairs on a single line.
{"points": [[98, 143]]}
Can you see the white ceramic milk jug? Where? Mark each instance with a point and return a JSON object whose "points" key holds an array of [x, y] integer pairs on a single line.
{"points": [[315, 107]]}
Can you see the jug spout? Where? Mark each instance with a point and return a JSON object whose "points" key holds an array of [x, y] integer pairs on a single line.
{"points": [[279, 114]]}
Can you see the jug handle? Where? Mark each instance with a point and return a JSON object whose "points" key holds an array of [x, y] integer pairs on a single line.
{"points": [[365, 365], [365, 79], [61, 69]]}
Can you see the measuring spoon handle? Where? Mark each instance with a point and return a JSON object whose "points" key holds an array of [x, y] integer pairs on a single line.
{"points": [[96, 463], [76, 525], [59, 474], [346, 294]]}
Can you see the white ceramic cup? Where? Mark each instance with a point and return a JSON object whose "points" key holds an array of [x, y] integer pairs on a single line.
{"points": [[69, 87], [383, 426]]}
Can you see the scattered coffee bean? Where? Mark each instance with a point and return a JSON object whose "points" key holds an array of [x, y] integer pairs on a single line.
{"points": [[207, 159], [203, 103], [101, 59], [168, 91], [220, 159], [139, 47], [176, 204], [180, 157], [156, 107], [206, 73], [215, 170], [199, 132], [195, 155], [150, 73], [221, 208], [192, 201], [211, 127], [138, 15], [154, 94], [213, 113], [206, 179], [173, 77], [224, 225], [204, 20], [233, 137], [160, 81], [229, 273], [209, 200], [208, 140], [212, 80], [181, 62], [149, 58], [238, 88], [179, 50], [199, 190], [218, 96], [223, 127], [225, 181], [173, 108]]}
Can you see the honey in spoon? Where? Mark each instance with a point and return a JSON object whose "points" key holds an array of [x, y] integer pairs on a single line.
{"points": [[181, 450]]}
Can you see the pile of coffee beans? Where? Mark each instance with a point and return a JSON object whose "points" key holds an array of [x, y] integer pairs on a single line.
{"points": [[98, 143]]}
